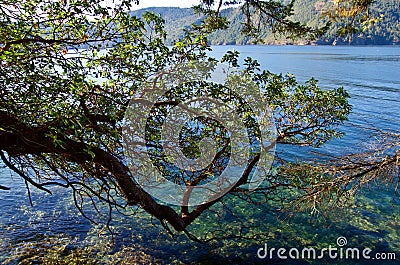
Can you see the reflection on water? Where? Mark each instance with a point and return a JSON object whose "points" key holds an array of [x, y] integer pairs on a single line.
{"points": [[52, 229], [376, 58]]}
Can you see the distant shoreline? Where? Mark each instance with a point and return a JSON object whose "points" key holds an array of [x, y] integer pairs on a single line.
{"points": [[299, 45], [310, 43]]}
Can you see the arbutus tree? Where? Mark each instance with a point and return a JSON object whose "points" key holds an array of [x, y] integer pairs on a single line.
{"points": [[70, 69]]}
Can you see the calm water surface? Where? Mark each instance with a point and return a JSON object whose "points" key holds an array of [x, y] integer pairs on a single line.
{"points": [[370, 74]]}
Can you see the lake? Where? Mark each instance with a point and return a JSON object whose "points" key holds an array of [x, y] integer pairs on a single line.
{"points": [[53, 229]]}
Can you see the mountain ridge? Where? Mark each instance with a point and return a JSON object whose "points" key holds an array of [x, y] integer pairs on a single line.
{"points": [[385, 32]]}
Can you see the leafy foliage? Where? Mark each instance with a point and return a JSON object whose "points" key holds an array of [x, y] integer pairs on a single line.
{"points": [[69, 70]]}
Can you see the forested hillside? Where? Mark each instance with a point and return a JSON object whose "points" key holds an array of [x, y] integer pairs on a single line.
{"points": [[385, 31]]}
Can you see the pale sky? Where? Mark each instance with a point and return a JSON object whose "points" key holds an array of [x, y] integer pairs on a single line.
{"points": [[179, 3]]}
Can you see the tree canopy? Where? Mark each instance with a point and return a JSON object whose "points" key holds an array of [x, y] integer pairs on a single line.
{"points": [[70, 70]]}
